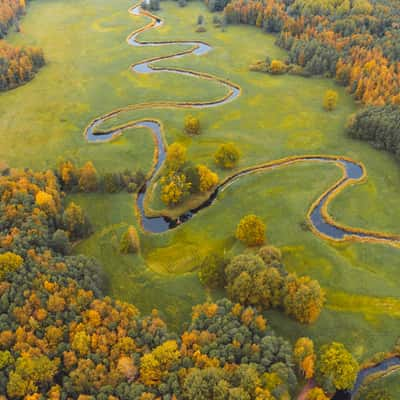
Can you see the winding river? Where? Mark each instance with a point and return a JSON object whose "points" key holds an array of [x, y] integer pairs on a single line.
{"points": [[320, 222]]}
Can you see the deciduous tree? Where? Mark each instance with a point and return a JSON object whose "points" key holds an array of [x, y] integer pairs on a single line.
{"points": [[330, 100], [251, 230], [227, 155], [208, 179], [192, 125]]}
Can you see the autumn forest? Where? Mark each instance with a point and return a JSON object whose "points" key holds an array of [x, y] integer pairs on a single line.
{"points": [[199, 200]]}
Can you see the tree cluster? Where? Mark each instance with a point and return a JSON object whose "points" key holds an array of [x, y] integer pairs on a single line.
{"points": [[378, 126], [87, 179], [18, 64], [355, 42], [10, 11], [265, 284], [261, 281], [182, 179]]}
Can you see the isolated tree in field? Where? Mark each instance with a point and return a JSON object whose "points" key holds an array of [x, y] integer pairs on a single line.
{"points": [[176, 156], [192, 125], [174, 188], [317, 394], [330, 100], [336, 368], [251, 230], [208, 179], [277, 67], [130, 242], [227, 156], [304, 357], [303, 298], [88, 178], [9, 262]]}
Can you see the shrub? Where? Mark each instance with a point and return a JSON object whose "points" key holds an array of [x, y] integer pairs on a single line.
{"points": [[192, 125], [130, 242], [201, 29], [227, 156], [277, 67], [330, 100]]}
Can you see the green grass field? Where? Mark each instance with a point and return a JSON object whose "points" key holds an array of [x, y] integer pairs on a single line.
{"points": [[390, 383], [87, 75]]}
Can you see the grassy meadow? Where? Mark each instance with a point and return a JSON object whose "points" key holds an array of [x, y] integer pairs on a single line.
{"points": [[87, 75]]}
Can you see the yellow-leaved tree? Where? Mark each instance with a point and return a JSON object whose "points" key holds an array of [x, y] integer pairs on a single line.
{"points": [[176, 156], [227, 155], [208, 178], [9, 262], [330, 100], [305, 357], [192, 125], [251, 230], [174, 188], [155, 365]]}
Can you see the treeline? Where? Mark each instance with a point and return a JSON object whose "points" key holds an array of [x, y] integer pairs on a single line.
{"points": [[87, 179], [380, 126], [355, 42], [17, 64], [61, 338], [10, 11]]}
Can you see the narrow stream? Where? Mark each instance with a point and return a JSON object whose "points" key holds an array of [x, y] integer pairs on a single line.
{"points": [[353, 171]]}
